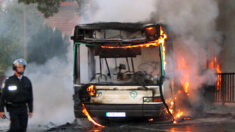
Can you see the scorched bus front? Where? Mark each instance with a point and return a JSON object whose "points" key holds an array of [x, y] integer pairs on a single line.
{"points": [[119, 70]]}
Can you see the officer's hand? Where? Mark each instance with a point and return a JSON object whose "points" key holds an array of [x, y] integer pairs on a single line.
{"points": [[2, 114], [30, 115]]}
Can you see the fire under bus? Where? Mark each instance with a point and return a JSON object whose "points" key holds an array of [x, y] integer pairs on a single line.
{"points": [[119, 70]]}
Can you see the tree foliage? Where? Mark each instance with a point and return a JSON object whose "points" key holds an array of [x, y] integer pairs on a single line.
{"points": [[47, 7], [43, 43], [51, 7], [46, 44], [8, 51]]}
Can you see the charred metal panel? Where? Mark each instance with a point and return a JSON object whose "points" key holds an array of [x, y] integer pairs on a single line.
{"points": [[131, 110], [76, 71], [115, 32], [113, 25], [117, 53]]}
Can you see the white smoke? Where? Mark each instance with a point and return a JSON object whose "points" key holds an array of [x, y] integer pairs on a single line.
{"points": [[52, 81], [191, 26], [53, 89], [195, 17], [118, 10]]}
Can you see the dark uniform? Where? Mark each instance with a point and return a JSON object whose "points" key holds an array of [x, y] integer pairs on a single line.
{"points": [[17, 97]]}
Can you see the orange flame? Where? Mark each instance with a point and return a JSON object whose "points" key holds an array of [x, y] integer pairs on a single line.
{"points": [[186, 88], [185, 83], [176, 113], [213, 64], [218, 69], [177, 116], [85, 112], [151, 120], [171, 108], [152, 43], [174, 122], [161, 40], [185, 80], [91, 90]]}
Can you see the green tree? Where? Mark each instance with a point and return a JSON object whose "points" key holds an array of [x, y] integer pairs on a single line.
{"points": [[38, 35], [46, 44], [47, 7], [50, 7], [8, 51]]}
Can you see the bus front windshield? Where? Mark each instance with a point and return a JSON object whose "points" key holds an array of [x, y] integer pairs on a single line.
{"points": [[136, 66]]}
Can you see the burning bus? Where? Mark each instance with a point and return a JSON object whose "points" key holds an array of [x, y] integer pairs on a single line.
{"points": [[119, 70]]}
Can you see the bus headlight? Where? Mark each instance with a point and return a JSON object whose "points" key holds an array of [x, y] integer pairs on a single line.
{"points": [[147, 99]]}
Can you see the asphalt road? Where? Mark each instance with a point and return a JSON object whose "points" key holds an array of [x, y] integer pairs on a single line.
{"points": [[208, 123], [224, 123]]}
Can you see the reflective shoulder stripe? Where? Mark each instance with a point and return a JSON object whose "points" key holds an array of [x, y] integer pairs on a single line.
{"points": [[4, 82], [3, 85]]}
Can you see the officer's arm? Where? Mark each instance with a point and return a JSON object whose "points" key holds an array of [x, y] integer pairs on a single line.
{"points": [[30, 101], [2, 99]]}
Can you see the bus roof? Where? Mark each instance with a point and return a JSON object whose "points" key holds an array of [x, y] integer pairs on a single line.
{"points": [[103, 33], [114, 25]]}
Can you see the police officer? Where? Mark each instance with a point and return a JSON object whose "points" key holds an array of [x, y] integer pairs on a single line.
{"points": [[17, 97]]}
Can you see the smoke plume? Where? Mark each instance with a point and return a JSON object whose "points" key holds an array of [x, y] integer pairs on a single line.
{"points": [[192, 30], [193, 24], [52, 77], [53, 91], [117, 11]]}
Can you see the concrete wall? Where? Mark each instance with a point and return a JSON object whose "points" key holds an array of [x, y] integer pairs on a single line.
{"points": [[226, 25]]}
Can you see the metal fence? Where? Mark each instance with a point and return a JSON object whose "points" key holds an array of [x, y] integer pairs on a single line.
{"points": [[225, 88]]}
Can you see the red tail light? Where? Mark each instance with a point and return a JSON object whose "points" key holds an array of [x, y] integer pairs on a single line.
{"points": [[91, 90], [157, 99], [152, 99]]}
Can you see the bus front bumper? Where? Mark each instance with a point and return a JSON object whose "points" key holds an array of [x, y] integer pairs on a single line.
{"points": [[129, 110]]}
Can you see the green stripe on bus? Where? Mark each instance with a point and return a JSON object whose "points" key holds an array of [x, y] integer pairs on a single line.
{"points": [[163, 72]]}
